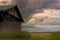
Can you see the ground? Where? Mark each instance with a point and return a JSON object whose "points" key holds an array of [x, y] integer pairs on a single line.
{"points": [[18, 35]]}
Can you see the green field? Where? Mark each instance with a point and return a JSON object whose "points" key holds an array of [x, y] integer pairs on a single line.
{"points": [[15, 35]]}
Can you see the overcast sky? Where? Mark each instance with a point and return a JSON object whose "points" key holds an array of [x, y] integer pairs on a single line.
{"points": [[30, 9], [31, 12]]}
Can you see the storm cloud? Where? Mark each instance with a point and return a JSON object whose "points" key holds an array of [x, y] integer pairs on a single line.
{"points": [[55, 4], [29, 8]]}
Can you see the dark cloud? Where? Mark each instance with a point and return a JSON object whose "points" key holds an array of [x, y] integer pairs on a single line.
{"points": [[28, 7], [55, 4], [21, 3]]}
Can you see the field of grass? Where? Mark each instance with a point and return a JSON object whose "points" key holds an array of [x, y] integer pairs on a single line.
{"points": [[15, 35], [45, 36], [40, 36]]}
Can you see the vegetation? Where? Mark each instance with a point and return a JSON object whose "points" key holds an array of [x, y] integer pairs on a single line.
{"points": [[56, 36], [15, 35]]}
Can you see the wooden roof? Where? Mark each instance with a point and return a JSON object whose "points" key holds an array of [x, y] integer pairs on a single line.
{"points": [[11, 14]]}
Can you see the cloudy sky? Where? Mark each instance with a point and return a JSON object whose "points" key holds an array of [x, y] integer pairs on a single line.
{"points": [[39, 15], [44, 16]]}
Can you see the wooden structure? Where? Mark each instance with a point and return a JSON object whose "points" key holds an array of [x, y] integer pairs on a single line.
{"points": [[10, 19]]}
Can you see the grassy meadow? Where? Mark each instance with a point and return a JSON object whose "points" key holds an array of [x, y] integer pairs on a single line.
{"points": [[15, 35]]}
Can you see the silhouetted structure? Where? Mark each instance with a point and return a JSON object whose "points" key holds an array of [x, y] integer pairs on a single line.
{"points": [[11, 19]]}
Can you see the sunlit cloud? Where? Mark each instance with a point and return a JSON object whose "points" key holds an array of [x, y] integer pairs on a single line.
{"points": [[47, 14], [6, 2], [49, 19]]}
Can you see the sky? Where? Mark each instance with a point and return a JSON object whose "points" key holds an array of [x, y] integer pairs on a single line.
{"points": [[39, 15], [45, 16], [47, 21], [52, 4], [5, 2]]}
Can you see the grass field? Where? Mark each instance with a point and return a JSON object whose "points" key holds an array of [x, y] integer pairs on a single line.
{"points": [[45, 36], [15, 35]]}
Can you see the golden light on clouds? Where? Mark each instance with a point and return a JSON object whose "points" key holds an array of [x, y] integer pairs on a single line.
{"points": [[49, 19], [6, 2], [46, 15]]}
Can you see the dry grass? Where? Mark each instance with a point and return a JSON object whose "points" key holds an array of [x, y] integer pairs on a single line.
{"points": [[17, 35]]}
